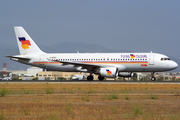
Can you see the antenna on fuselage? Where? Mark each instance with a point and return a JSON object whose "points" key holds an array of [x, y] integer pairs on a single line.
{"points": [[150, 51]]}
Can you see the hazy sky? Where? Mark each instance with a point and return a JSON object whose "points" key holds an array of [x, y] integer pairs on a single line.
{"points": [[134, 25]]}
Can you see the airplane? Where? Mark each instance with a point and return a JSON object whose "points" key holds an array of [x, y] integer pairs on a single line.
{"points": [[110, 65], [7, 78]]}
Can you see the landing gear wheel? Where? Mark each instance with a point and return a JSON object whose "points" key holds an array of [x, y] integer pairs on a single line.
{"points": [[100, 78], [153, 79], [90, 77]]}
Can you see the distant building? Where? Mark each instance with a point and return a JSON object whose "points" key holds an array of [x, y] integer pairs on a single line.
{"points": [[55, 75], [33, 71], [19, 73], [177, 77]]}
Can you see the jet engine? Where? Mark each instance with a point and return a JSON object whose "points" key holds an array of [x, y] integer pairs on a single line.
{"points": [[110, 72], [125, 74]]}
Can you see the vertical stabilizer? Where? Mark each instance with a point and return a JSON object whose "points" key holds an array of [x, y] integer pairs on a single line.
{"points": [[25, 43]]}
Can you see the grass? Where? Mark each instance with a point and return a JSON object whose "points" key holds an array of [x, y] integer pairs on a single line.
{"points": [[89, 101], [53, 117], [49, 90], [68, 107], [90, 91], [26, 91], [2, 117], [137, 110], [3, 92], [177, 94], [127, 98], [85, 98], [155, 97], [25, 111], [114, 110], [112, 96]]}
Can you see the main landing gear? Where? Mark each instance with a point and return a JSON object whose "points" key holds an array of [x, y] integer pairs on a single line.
{"points": [[91, 77], [153, 77], [100, 78]]}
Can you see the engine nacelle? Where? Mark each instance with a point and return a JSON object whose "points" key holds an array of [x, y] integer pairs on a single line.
{"points": [[125, 74], [110, 72]]}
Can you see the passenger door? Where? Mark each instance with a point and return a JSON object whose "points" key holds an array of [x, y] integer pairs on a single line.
{"points": [[151, 59]]}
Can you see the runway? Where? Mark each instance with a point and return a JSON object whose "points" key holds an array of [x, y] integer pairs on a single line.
{"points": [[91, 82]]}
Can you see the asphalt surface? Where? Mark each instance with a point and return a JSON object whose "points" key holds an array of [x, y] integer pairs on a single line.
{"points": [[95, 81]]}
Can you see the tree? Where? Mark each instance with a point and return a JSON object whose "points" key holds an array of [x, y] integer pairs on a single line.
{"points": [[134, 76]]}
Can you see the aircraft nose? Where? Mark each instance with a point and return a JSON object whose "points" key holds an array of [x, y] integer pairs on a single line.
{"points": [[173, 65]]}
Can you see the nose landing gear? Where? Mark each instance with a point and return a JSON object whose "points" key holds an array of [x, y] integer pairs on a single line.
{"points": [[153, 77]]}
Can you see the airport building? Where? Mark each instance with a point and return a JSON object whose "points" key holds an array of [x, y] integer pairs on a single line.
{"points": [[33, 71], [38, 74], [54, 75]]}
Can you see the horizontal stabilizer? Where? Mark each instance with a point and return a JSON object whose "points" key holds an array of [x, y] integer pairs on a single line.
{"points": [[18, 57]]}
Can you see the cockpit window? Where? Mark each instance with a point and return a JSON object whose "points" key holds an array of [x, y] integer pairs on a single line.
{"points": [[165, 59]]}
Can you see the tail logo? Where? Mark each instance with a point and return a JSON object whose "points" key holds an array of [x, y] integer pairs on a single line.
{"points": [[24, 43], [108, 72]]}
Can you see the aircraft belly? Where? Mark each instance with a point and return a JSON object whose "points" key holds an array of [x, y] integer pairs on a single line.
{"points": [[143, 68], [139, 68], [60, 67]]}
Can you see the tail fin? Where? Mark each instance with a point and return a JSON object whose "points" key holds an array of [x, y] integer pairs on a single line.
{"points": [[25, 43]]}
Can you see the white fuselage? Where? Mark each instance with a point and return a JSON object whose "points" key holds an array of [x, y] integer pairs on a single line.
{"points": [[125, 62]]}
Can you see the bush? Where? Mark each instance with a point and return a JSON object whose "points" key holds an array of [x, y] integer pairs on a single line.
{"points": [[137, 110], [49, 90], [112, 96], [85, 98], [3, 92], [61, 78]]}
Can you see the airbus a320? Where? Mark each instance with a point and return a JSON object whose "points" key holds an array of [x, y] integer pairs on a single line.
{"points": [[110, 65]]}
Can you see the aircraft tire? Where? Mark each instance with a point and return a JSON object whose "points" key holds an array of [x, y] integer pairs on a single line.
{"points": [[90, 78], [100, 78], [153, 79]]}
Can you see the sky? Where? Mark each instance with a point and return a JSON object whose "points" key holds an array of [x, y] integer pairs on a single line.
{"points": [[132, 25]]}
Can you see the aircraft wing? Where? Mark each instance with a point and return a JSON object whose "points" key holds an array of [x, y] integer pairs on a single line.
{"points": [[88, 66]]}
